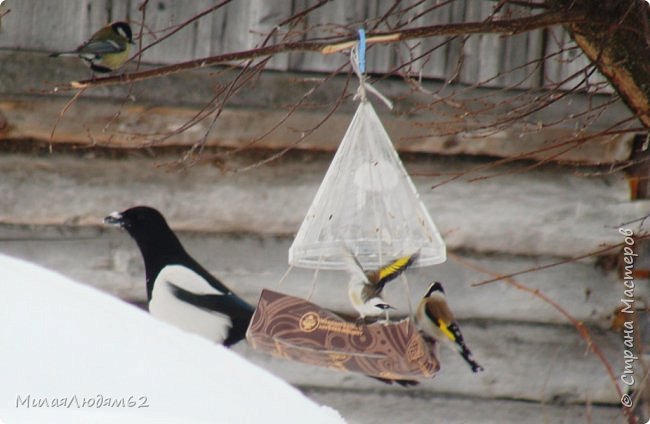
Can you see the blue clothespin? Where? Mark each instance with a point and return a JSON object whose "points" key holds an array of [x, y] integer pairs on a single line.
{"points": [[362, 51]]}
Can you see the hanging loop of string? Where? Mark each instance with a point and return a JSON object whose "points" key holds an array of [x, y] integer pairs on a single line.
{"points": [[358, 61]]}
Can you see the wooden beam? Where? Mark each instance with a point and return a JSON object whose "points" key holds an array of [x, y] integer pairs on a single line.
{"points": [[549, 211], [109, 260], [135, 126], [415, 125]]}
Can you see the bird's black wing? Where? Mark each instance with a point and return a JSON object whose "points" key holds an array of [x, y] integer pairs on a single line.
{"points": [[239, 312], [227, 304], [392, 270]]}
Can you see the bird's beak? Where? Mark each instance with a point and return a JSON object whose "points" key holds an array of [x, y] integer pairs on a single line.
{"points": [[114, 218]]}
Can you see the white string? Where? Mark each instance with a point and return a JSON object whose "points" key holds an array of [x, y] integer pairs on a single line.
{"points": [[313, 283], [363, 84], [408, 293], [285, 275]]}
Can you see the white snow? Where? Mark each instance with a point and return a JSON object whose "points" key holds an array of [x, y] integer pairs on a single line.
{"points": [[63, 342]]}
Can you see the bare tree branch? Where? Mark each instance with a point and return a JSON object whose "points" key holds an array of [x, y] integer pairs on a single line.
{"points": [[503, 26], [179, 27], [620, 50], [554, 264], [580, 327]]}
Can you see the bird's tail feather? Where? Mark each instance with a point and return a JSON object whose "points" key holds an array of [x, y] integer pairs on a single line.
{"points": [[467, 356], [462, 348], [353, 266], [57, 54]]}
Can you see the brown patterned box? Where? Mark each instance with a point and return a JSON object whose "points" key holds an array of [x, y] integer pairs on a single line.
{"points": [[292, 328]]}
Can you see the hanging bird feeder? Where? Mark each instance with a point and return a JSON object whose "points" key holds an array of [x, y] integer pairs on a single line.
{"points": [[367, 206]]}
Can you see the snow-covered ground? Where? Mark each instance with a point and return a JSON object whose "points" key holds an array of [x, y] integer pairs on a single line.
{"points": [[71, 354]]}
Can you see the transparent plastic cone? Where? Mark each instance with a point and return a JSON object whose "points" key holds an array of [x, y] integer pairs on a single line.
{"points": [[366, 204]]}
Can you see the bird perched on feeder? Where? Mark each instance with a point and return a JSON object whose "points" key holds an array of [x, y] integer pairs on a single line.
{"points": [[365, 287], [179, 290], [436, 322], [107, 49]]}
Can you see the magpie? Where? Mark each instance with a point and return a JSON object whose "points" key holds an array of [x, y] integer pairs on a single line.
{"points": [[179, 290]]}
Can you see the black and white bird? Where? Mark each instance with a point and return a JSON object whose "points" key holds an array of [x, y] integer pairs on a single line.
{"points": [[436, 322], [179, 290], [365, 287]]}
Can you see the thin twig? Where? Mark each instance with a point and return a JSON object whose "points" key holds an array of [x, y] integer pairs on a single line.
{"points": [[300, 139], [143, 10], [502, 26], [179, 27], [554, 264], [63, 111], [580, 327]]}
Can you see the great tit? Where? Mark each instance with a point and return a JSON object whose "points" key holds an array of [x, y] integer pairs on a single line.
{"points": [[107, 49], [365, 287], [179, 290], [436, 322]]}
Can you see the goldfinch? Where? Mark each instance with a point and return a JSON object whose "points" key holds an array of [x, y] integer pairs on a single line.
{"points": [[436, 322], [107, 49], [365, 287]]}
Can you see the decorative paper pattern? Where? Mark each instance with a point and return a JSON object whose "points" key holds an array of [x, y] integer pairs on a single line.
{"points": [[292, 328]]}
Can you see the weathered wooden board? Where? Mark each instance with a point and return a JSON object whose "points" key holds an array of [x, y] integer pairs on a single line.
{"points": [[535, 363], [333, 18], [415, 125], [407, 407], [110, 261], [565, 62], [46, 25], [473, 68], [548, 211], [438, 57], [141, 125], [163, 16]]}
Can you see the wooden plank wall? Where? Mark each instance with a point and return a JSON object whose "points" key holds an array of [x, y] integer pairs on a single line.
{"points": [[491, 60], [417, 123], [240, 226]]}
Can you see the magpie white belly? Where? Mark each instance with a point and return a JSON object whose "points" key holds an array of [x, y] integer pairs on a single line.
{"points": [[164, 305]]}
